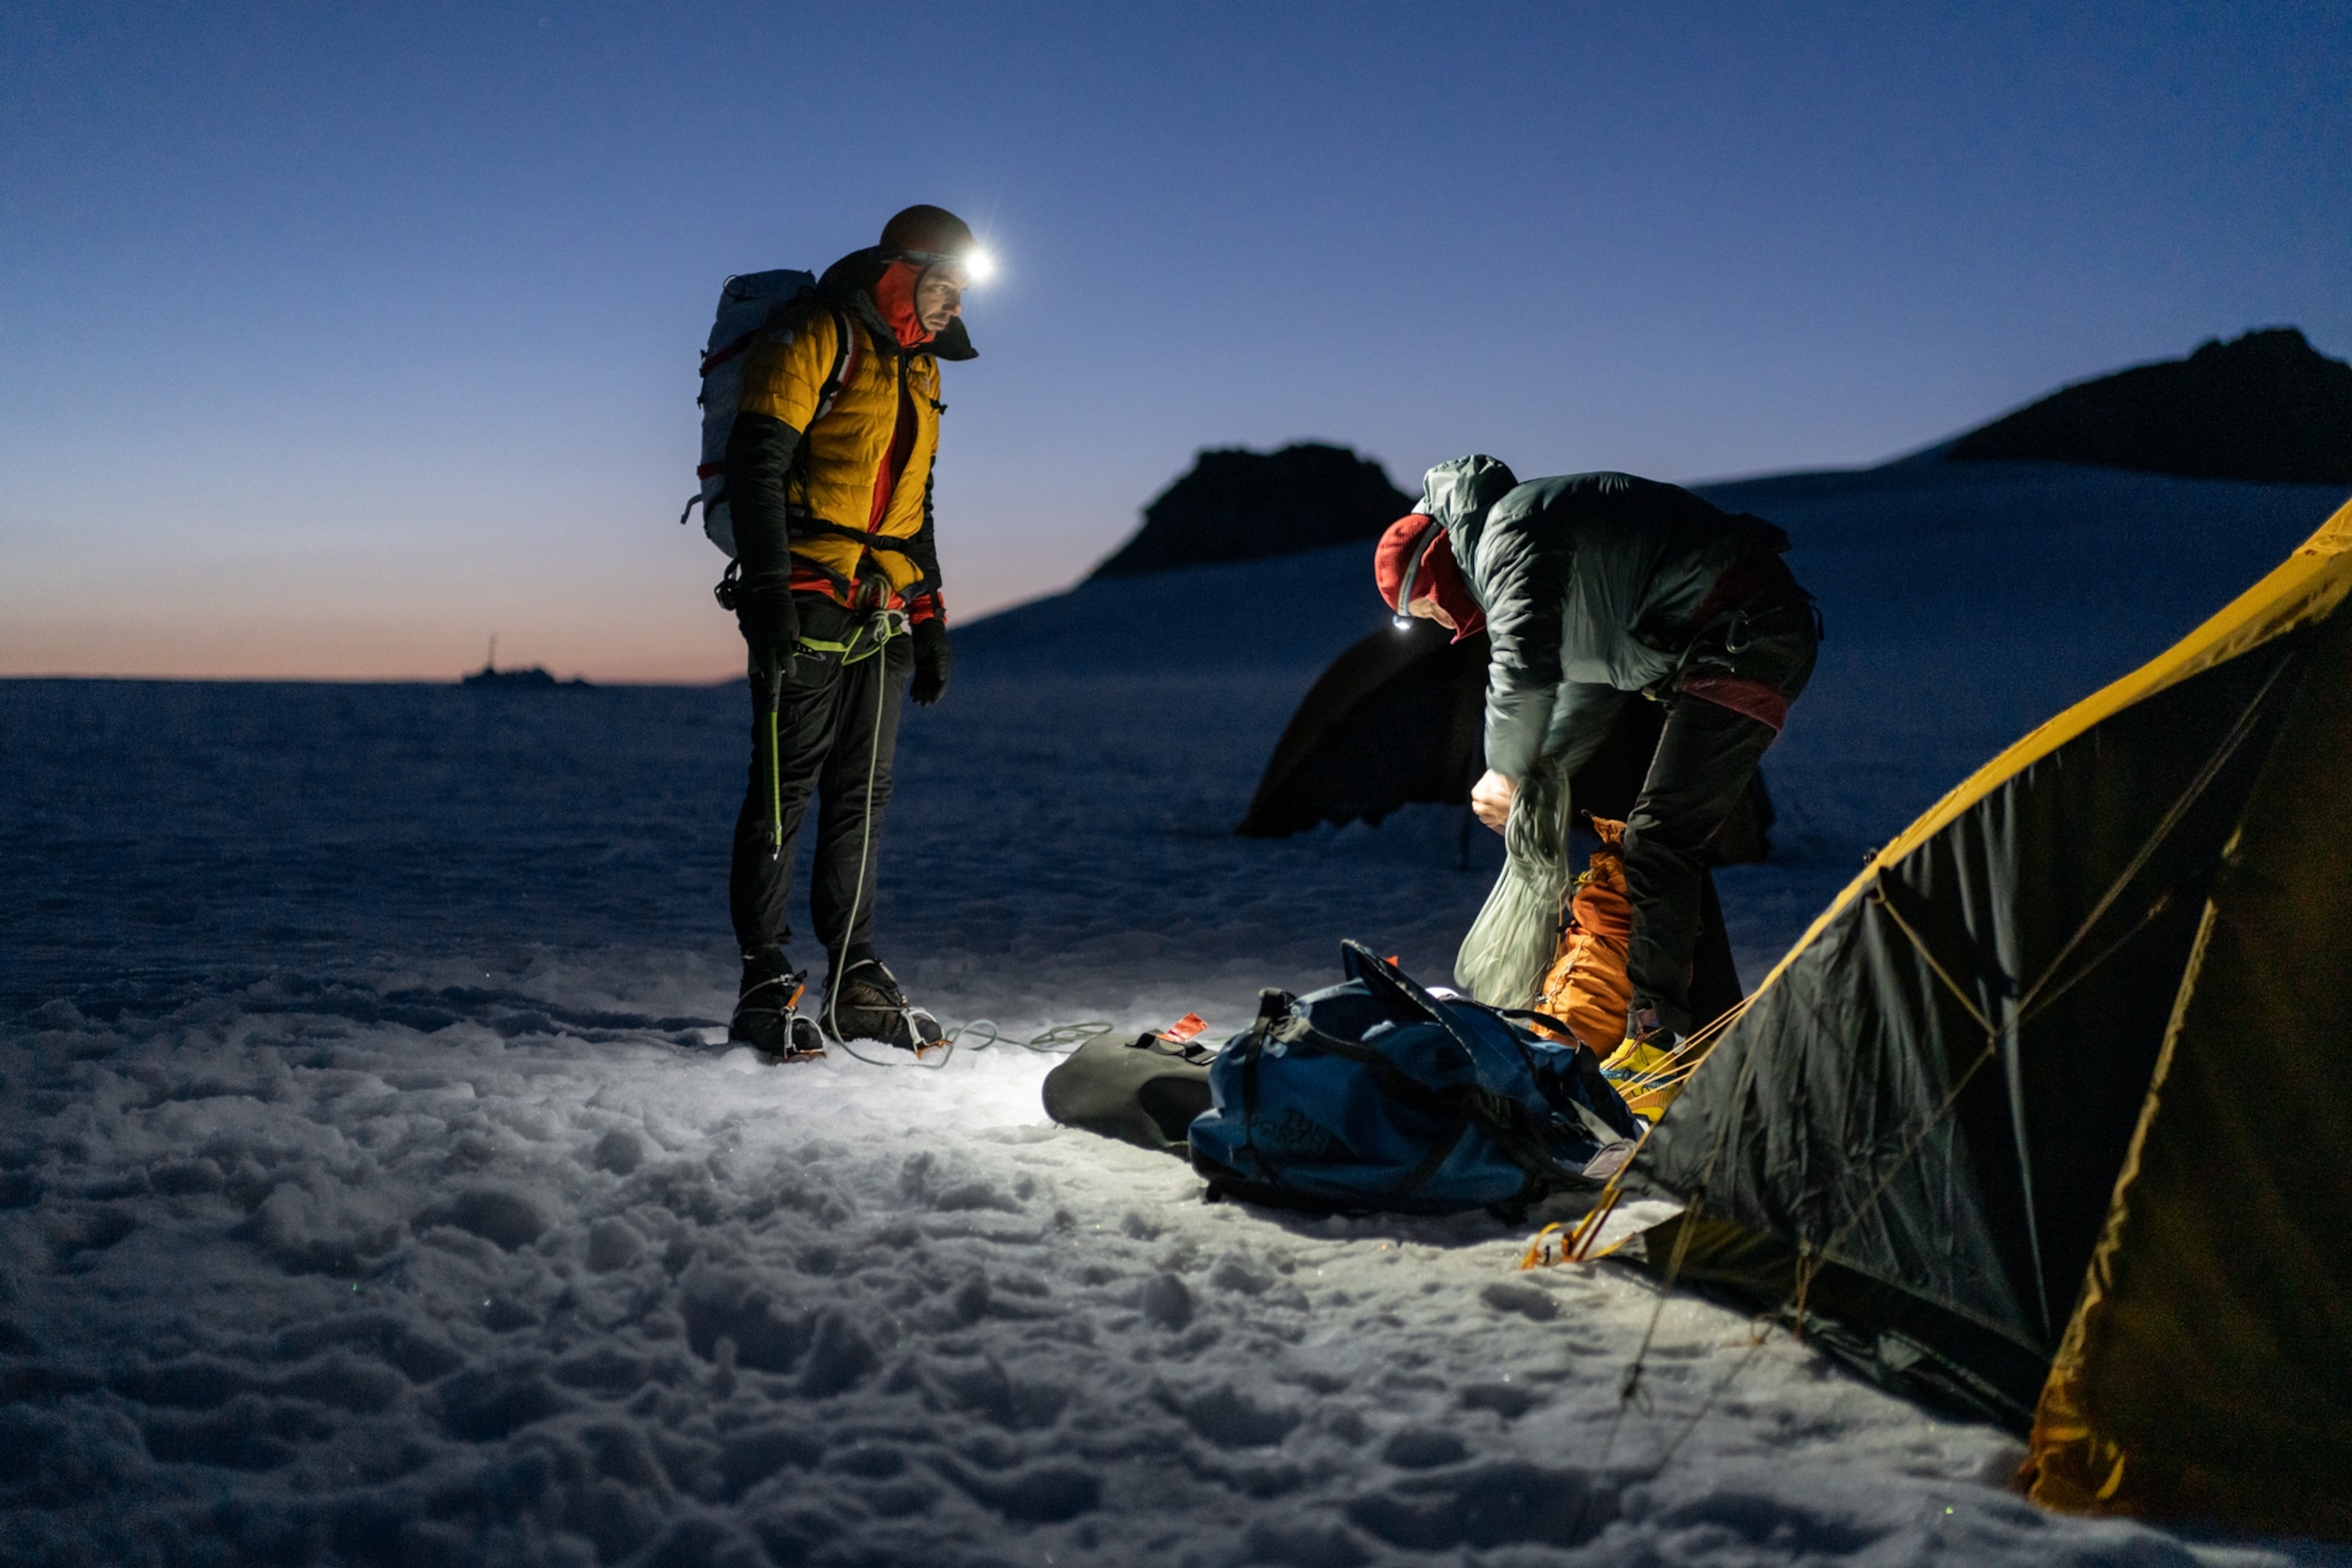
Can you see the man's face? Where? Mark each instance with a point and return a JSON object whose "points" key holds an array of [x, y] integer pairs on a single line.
{"points": [[1424, 608], [938, 295]]}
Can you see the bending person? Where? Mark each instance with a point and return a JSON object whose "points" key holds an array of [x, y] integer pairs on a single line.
{"points": [[1593, 588]]}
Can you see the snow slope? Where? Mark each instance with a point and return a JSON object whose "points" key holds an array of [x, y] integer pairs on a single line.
{"points": [[371, 1192]]}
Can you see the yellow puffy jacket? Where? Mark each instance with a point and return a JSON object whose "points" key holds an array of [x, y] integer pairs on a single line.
{"points": [[831, 488]]}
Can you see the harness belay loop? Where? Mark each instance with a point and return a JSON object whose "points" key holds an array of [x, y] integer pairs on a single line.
{"points": [[885, 625]]}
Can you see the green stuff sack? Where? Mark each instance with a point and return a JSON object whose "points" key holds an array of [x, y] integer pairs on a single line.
{"points": [[1510, 945]]}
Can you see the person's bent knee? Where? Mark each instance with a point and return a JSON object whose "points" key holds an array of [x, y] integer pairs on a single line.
{"points": [[1665, 840]]}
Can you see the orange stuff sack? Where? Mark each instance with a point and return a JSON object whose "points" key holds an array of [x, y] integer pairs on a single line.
{"points": [[1585, 987]]}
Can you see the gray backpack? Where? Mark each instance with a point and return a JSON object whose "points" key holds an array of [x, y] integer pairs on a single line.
{"points": [[754, 305]]}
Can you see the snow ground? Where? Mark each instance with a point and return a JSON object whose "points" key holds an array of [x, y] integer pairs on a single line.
{"points": [[371, 1190]]}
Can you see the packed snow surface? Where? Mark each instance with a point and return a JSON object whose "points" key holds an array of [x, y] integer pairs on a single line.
{"points": [[376, 1186]]}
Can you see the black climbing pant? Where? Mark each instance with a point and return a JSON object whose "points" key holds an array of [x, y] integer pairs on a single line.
{"points": [[1705, 756], [836, 733]]}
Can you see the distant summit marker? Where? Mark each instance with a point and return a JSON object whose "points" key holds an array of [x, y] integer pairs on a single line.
{"points": [[1239, 505], [2265, 406]]}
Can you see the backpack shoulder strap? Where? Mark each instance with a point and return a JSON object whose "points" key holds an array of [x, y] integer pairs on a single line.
{"points": [[788, 313], [844, 362]]}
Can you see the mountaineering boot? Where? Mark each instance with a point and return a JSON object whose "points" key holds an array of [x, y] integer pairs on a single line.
{"points": [[767, 1009], [867, 1005], [1659, 1024], [1640, 1068]]}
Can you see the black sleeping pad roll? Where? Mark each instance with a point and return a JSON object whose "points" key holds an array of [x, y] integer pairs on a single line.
{"points": [[1137, 1088]]}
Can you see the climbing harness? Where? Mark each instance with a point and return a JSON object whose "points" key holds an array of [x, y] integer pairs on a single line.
{"points": [[884, 624]]}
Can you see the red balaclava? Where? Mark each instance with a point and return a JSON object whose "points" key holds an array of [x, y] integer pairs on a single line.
{"points": [[1439, 578], [894, 296]]}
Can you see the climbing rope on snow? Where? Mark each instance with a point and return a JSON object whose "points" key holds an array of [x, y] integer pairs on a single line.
{"points": [[981, 1034], [891, 625]]}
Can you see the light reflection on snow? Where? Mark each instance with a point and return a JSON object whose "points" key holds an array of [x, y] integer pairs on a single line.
{"points": [[374, 1211]]}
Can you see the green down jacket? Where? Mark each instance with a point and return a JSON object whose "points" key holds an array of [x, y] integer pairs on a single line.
{"points": [[1591, 582]]}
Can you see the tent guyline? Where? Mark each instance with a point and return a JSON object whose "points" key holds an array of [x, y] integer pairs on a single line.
{"points": [[1680, 1063], [2033, 1002], [1630, 1388], [2164, 829]]}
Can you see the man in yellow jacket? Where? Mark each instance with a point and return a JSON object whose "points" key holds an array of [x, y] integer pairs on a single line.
{"points": [[829, 482]]}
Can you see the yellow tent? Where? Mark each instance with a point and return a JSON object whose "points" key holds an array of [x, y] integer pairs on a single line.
{"points": [[2049, 1116]]}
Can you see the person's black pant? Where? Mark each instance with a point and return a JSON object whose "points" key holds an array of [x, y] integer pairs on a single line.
{"points": [[1705, 757], [836, 733]]}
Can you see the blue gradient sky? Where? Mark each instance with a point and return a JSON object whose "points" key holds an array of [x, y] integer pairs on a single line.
{"points": [[335, 338]]}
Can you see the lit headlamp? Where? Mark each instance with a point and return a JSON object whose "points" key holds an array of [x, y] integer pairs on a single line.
{"points": [[976, 264], [1429, 538]]}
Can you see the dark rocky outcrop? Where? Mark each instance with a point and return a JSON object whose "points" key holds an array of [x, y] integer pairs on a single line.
{"points": [[1239, 505], [2265, 407]]}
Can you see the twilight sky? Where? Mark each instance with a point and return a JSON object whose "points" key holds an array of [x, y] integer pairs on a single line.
{"points": [[334, 338]]}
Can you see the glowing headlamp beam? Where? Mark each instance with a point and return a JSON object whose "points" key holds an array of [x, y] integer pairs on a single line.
{"points": [[978, 266]]}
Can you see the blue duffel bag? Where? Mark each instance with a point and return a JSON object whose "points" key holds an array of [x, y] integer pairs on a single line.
{"points": [[1375, 1095]]}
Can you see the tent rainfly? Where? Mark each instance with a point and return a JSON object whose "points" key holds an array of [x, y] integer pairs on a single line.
{"points": [[1399, 716], [2049, 1115]]}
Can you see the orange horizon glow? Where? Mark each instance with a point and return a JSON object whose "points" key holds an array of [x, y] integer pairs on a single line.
{"points": [[668, 639], [612, 602], [696, 657]]}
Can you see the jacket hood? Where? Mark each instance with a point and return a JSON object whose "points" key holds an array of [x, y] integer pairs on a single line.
{"points": [[849, 283], [1458, 494]]}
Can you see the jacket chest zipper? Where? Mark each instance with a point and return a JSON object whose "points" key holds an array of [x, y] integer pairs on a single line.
{"points": [[882, 468]]}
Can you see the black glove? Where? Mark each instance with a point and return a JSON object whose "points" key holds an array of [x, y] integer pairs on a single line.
{"points": [[932, 660], [770, 624]]}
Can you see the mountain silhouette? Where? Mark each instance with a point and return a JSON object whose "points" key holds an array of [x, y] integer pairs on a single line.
{"points": [[1238, 505], [2265, 406]]}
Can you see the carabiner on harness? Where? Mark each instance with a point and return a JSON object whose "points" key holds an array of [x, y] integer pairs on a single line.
{"points": [[883, 625]]}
